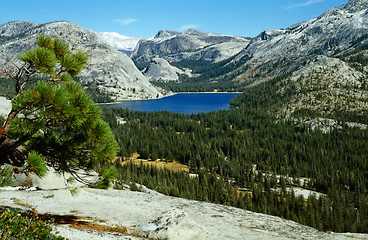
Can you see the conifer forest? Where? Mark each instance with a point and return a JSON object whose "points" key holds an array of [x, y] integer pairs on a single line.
{"points": [[247, 158]]}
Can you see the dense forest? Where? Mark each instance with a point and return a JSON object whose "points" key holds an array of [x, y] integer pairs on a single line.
{"points": [[247, 158]]}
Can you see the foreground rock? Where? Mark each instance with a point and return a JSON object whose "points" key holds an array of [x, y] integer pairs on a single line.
{"points": [[5, 106], [156, 216]]}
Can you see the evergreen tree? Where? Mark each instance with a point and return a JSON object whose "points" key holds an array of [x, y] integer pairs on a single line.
{"points": [[53, 121]]}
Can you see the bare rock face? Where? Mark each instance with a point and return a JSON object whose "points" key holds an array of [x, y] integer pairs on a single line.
{"points": [[160, 70], [156, 216], [356, 5], [16, 27], [271, 53], [5, 107], [192, 44], [110, 70]]}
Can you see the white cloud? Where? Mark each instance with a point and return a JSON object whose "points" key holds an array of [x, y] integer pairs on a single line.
{"points": [[189, 26], [303, 4], [126, 21]]}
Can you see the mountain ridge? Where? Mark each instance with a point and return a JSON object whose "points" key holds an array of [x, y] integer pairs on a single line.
{"points": [[167, 44], [333, 32], [330, 33]]}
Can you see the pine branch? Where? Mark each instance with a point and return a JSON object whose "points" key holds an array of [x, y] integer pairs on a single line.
{"points": [[4, 129], [15, 143], [59, 120], [8, 74]]}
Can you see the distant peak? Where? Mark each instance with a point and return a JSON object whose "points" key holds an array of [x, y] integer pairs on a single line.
{"points": [[194, 32], [166, 33]]}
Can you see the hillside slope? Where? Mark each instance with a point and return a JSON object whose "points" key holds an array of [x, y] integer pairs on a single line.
{"points": [[335, 32], [111, 72]]}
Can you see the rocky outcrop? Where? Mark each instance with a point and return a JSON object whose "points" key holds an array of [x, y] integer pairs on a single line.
{"points": [[111, 71], [150, 215], [160, 70], [325, 85], [5, 107]]}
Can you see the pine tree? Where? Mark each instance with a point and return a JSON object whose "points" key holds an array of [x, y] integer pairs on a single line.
{"points": [[53, 121]]}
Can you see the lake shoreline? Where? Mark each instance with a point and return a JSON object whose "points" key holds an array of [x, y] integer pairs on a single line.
{"points": [[140, 99], [164, 96], [183, 102]]}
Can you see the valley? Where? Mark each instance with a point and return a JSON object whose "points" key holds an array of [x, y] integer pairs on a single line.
{"points": [[292, 142]]}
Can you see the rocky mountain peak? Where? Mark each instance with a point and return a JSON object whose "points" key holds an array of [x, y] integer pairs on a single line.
{"points": [[195, 32], [356, 5], [166, 33]]}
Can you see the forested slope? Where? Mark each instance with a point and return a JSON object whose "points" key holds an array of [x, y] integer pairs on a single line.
{"points": [[248, 158]]}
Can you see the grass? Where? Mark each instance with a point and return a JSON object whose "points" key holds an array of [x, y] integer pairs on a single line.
{"points": [[160, 163]]}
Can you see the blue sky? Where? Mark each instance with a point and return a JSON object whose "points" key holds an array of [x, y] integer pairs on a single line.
{"points": [[144, 18]]}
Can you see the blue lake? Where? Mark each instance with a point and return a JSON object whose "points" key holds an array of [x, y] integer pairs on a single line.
{"points": [[180, 103]]}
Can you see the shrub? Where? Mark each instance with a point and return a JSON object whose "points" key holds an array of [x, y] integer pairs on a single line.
{"points": [[15, 224]]}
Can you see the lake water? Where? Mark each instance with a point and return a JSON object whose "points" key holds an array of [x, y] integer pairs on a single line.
{"points": [[180, 103]]}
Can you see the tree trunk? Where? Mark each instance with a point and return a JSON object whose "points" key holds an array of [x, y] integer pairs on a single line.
{"points": [[5, 127]]}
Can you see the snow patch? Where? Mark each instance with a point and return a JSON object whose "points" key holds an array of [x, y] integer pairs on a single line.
{"points": [[119, 42]]}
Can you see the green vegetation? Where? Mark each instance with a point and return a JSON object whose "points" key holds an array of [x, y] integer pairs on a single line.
{"points": [[244, 157], [358, 57], [98, 95], [53, 121], [17, 225], [247, 158]]}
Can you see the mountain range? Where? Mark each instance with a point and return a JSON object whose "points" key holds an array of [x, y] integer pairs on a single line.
{"points": [[269, 54], [320, 64], [326, 47], [311, 72]]}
